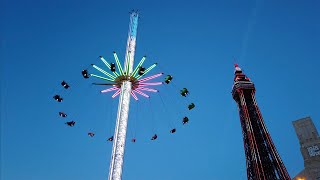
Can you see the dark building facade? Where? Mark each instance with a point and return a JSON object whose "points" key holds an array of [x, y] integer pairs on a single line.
{"points": [[310, 149]]}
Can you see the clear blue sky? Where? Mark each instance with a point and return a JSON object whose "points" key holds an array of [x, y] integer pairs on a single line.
{"points": [[43, 42]]}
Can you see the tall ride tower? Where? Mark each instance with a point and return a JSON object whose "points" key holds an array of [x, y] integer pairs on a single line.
{"points": [[119, 141], [262, 159]]}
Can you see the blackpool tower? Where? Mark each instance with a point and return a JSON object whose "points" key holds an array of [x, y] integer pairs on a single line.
{"points": [[262, 159]]}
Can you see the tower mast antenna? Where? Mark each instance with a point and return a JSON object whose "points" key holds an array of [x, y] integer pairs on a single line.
{"points": [[119, 140]]}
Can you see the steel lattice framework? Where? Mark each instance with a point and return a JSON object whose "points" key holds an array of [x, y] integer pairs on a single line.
{"points": [[262, 159]]}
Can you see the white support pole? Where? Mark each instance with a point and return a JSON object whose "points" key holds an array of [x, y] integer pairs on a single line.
{"points": [[119, 139]]}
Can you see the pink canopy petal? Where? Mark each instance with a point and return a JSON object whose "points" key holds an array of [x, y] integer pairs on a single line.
{"points": [[150, 77], [149, 84], [116, 93], [141, 93], [147, 89], [134, 95], [109, 89]]}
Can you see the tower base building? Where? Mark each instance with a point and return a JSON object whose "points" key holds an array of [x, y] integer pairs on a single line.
{"points": [[310, 149]]}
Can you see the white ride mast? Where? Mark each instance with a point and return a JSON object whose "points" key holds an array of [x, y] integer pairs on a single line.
{"points": [[119, 140]]}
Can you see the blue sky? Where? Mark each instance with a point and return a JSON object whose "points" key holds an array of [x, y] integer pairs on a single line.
{"points": [[44, 42]]}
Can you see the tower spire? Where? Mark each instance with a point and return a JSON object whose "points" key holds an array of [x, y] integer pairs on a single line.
{"points": [[237, 69]]}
